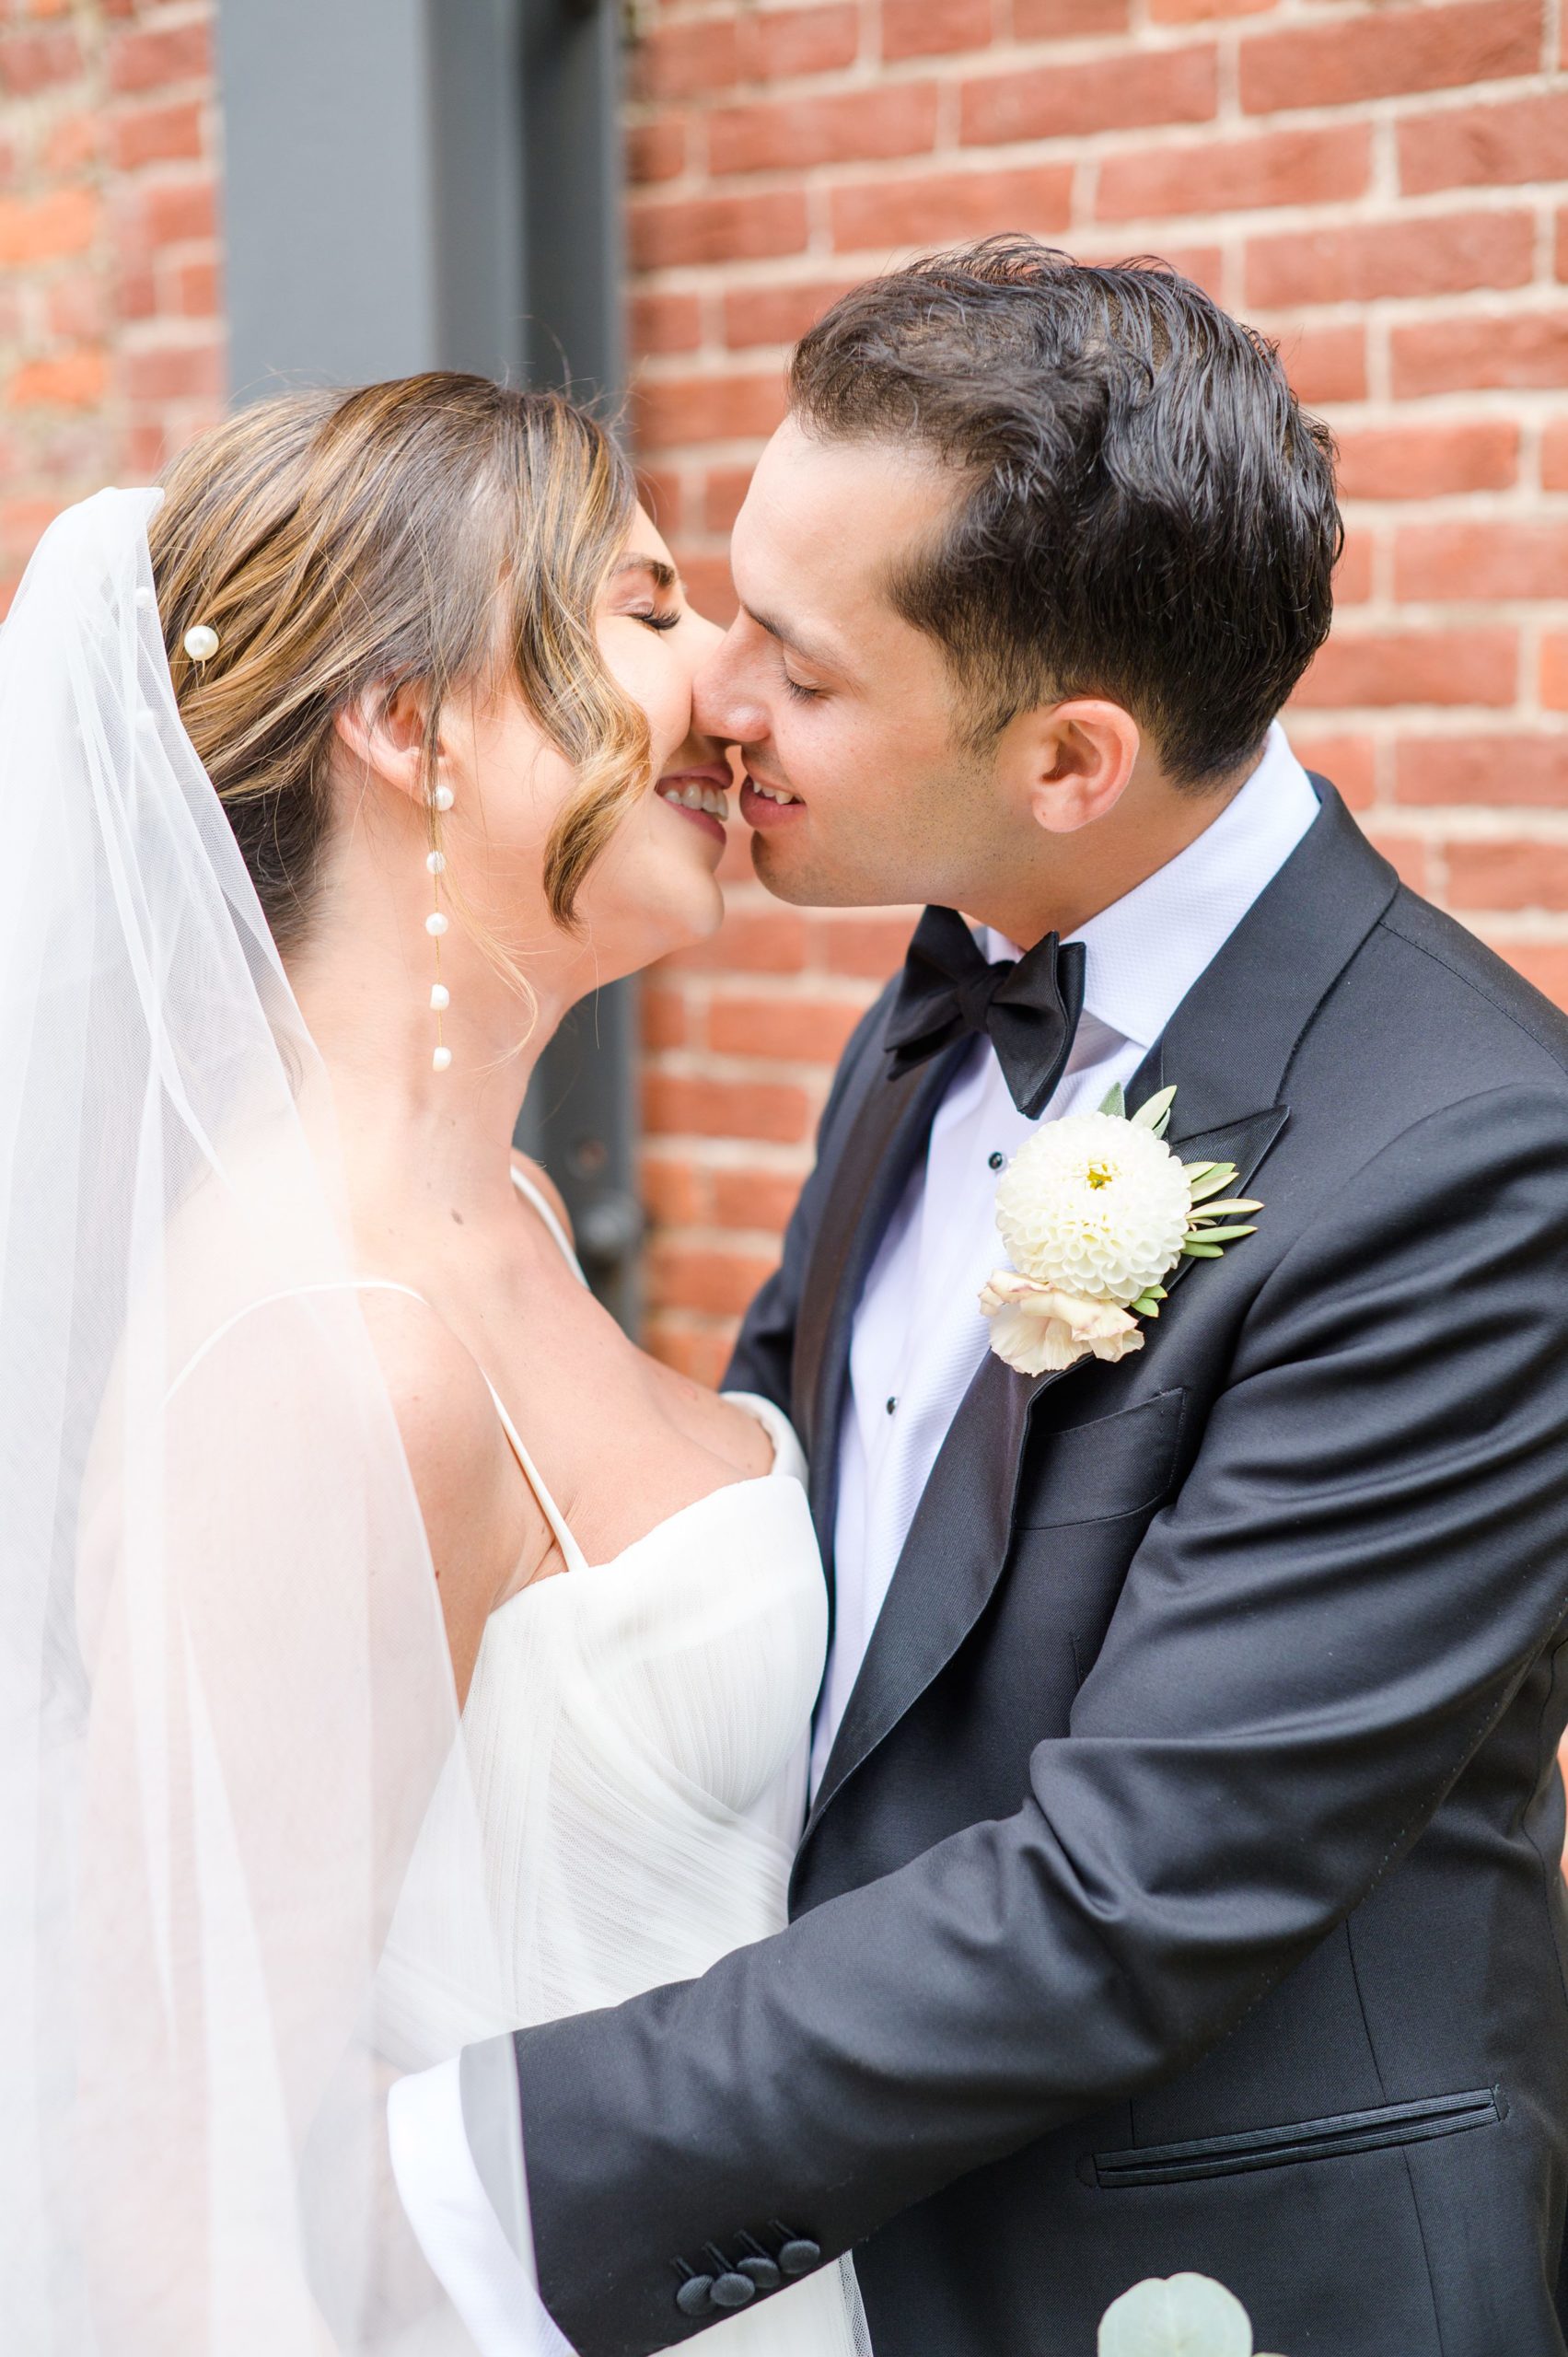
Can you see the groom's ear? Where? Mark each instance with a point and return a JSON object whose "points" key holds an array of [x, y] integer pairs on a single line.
{"points": [[1070, 761], [384, 736]]}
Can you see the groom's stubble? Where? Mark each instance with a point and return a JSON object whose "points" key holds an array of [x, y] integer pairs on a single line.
{"points": [[835, 698], [903, 795]]}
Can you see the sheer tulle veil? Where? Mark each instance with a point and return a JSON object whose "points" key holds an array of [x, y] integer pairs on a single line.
{"points": [[226, 1708]]}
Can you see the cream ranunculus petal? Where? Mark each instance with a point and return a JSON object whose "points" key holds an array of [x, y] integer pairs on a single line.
{"points": [[1111, 1347], [1040, 1330], [1034, 1345]]}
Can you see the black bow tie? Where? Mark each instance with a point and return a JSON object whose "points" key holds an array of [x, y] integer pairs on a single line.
{"points": [[1029, 1005]]}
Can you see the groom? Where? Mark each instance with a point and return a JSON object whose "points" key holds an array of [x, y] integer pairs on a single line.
{"points": [[1180, 1886]]}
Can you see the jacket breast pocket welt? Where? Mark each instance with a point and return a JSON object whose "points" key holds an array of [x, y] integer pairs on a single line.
{"points": [[1099, 1471], [1385, 2125], [1087, 1494]]}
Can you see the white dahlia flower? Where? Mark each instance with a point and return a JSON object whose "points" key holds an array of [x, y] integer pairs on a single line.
{"points": [[1096, 1206]]}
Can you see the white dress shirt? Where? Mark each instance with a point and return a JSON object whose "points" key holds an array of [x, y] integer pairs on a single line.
{"points": [[917, 1340], [918, 1337]]}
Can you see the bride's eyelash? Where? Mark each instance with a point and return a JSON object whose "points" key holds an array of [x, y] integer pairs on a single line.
{"points": [[802, 696], [656, 621]]}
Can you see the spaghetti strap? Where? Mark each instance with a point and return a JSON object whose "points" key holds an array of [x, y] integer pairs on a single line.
{"points": [[546, 1210], [571, 1554]]}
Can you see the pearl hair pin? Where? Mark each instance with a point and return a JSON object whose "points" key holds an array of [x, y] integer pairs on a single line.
{"points": [[200, 642], [436, 925]]}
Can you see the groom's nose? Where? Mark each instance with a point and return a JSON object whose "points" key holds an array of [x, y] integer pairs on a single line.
{"points": [[723, 703]]}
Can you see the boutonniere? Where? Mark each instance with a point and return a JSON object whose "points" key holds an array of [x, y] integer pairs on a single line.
{"points": [[1094, 1211]]}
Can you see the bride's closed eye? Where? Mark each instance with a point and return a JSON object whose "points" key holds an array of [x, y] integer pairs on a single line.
{"points": [[648, 593]]}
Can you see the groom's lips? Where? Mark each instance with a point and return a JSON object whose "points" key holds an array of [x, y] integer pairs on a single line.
{"points": [[764, 815]]}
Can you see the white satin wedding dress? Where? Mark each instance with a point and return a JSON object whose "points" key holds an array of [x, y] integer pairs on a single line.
{"points": [[637, 1737]]}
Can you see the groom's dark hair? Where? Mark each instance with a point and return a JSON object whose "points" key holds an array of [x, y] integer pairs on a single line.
{"points": [[1147, 512]]}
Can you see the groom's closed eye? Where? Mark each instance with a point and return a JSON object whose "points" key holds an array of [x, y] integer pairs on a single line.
{"points": [[790, 640]]}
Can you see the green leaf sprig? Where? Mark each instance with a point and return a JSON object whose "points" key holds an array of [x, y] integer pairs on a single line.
{"points": [[1206, 1181]]}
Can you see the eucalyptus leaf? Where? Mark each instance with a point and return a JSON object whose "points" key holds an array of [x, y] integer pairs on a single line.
{"points": [[1145, 1307], [1180, 2315], [1225, 1235], [1193, 1171], [1234, 1204], [1202, 1252], [1218, 1176], [1153, 1111], [1114, 1102]]}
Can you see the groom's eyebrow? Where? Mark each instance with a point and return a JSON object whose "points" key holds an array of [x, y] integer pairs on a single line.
{"points": [[811, 651]]}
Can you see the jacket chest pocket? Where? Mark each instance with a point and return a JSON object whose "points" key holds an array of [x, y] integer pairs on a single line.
{"points": [[1104, 1470], [1085, 1497]]}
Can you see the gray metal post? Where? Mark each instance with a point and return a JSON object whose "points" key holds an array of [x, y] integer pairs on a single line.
{"points": [[580, 1115], [436, 183]]}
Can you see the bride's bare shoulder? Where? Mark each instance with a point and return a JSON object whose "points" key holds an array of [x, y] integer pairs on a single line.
{"points": [[481, 1521]]}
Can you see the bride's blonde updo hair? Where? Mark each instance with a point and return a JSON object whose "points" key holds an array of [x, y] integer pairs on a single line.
{"points": [[438, 531]]}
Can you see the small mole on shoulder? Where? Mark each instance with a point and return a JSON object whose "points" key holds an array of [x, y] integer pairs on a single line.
{"points": [[459, 1218]]}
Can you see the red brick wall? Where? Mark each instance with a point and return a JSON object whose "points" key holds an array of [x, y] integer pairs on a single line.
{"points": [[110, 329], [1382, 184]]}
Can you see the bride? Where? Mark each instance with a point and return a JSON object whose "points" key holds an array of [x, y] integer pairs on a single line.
{"points": [[333, 777]]}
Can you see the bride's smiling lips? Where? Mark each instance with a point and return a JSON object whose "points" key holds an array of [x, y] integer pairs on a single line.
{"points": [[700, 795]]}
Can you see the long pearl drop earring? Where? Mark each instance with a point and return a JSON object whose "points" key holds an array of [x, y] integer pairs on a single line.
{"points": [[436, 925]]}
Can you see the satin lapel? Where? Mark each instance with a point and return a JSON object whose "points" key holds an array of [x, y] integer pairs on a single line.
{"points": [[1227, 1049], [888, 1137], [1243, 1142], [963, 1524], [951, 1560]]}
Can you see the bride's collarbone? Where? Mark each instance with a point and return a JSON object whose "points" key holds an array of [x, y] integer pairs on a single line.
{"points": [[622, 1450], [563, 1359], [621, 1441]]}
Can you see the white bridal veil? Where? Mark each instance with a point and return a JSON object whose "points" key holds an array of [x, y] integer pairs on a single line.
{"points": [[226, 1707]]}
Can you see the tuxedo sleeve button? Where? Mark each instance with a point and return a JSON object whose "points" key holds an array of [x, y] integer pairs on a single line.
{"points": [[800, 2255], [762, 2271], [732, 2289], [695, 2297]]}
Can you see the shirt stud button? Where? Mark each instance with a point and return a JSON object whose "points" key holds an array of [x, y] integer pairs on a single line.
{"points": [[893, 1405], [995, 1161]]}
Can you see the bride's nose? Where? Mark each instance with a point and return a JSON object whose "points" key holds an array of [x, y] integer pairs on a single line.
{"points": [[721, 707]]}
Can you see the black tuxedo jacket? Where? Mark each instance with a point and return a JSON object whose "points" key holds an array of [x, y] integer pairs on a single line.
{"points": [[1183, 1889]]}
